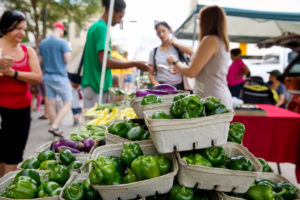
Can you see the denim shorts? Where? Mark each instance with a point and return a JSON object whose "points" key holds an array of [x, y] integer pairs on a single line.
{"points": [[58, 86], [129, 78]]}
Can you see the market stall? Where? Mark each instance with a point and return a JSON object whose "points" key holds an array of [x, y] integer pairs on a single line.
{"points": [[274, 137]]}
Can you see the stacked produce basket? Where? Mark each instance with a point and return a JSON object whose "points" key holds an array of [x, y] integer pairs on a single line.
{"points": [[200, 150]]}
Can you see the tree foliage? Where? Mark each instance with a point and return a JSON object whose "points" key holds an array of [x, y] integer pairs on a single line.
{"points": [[42, 13]]}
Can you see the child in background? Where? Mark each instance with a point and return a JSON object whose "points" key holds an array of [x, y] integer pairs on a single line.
{"points": [[76, 104]]}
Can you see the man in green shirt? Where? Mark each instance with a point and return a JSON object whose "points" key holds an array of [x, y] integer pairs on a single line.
{"points": [[93, 57]]}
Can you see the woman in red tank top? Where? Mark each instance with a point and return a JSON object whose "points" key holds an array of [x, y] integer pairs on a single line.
{"points": [[19, 67]]}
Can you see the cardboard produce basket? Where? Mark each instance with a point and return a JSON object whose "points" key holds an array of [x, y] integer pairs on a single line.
{"points": [[135, 103], [8, 178], [169, 135], [149, 187], [114, 139], [274, 177], [81, 158], [224, 180]]}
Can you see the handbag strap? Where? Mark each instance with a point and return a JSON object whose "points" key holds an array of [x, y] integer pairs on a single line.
{"points": [[81, 63], [154, 61]]}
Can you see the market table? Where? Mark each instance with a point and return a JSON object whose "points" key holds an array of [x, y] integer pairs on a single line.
{"points": [[274, 137]]}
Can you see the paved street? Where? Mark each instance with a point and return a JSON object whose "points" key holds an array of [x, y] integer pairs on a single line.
{"points": [[39, 135]]}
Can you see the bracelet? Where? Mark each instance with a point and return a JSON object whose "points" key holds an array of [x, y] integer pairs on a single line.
{"points": [[175, 62], [16, 74]]}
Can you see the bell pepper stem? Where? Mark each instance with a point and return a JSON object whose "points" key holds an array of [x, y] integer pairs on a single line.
{"points": [[280, 193]]}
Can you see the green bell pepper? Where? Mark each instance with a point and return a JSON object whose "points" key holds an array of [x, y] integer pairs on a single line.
{"points": [[90, 192], [30, 173], [151, 99], [59, 174], [46, 155], [74, 191], [266, 167], [130, 152], [118, 179], [95, 175], [145, 167], [236, 132], [76, 164], [164, 164], [240, 163], [179, 96], [66, 157], [48, 165], [220, 110], [118, 128], [146, 136], [31, 163], [49, 189], [118, 164], [24, 188], [135, 133], [25, 178], [197, 159], [129, 177], [108, 170], [181, 193], [211, 104], [215, 155], [263, 192], [192, 107], [263, 181], [176, 109], [130, 124], [161, 115], [291, 191]]}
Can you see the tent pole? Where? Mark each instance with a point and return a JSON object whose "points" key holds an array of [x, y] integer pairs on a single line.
{"points": [[104, 63], [195, 29]]}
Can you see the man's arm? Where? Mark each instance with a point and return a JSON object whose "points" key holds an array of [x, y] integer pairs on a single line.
{"points": [[118, 64], [67, 56]]}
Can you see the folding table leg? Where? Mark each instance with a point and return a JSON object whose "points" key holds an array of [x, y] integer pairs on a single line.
{"points": [[278, 168]]}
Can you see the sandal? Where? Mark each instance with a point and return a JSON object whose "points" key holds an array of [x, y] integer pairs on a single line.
{"points": [[42, 117], [56, 132]]}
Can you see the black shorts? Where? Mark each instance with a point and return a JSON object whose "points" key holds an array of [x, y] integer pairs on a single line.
{"points": [[14, 132]]}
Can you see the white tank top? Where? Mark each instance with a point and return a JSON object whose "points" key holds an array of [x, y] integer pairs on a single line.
{"points": [[211, 81]]}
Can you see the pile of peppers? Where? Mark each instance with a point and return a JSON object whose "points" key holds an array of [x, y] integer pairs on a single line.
{"points": [[129, 130], [133, 165], [266, 189], [151, 99], [192, 106], [28, 184], [216, 157], [46, 160]]}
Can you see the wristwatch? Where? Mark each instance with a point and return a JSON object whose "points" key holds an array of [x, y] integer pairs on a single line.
{"points": [[175, 62]]}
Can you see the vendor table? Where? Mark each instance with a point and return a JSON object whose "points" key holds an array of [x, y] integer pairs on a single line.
{"points": [[274, 137]]}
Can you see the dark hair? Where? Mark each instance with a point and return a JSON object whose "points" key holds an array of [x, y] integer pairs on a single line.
{"points": [[163, 23], [235, 52], [10, 20], [120, 5]]}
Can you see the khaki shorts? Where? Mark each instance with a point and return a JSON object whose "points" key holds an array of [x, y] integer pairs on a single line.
{"points": [[90, 97]]}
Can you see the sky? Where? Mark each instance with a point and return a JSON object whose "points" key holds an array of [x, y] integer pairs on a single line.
{"points": [[138, 36]]}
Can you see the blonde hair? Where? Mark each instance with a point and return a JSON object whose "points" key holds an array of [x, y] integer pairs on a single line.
{"points": [[213, 22]]}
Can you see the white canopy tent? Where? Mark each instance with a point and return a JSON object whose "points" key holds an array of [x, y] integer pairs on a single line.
{"points": [[248, 26]]}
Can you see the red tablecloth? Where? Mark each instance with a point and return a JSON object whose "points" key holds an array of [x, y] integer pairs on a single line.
{"points": [[275, 137]]}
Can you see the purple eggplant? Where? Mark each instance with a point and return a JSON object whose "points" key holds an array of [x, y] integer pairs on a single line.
{"points": [[62, 148], [142, 93], [88, 144], [68, 143], [167, 88]]}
